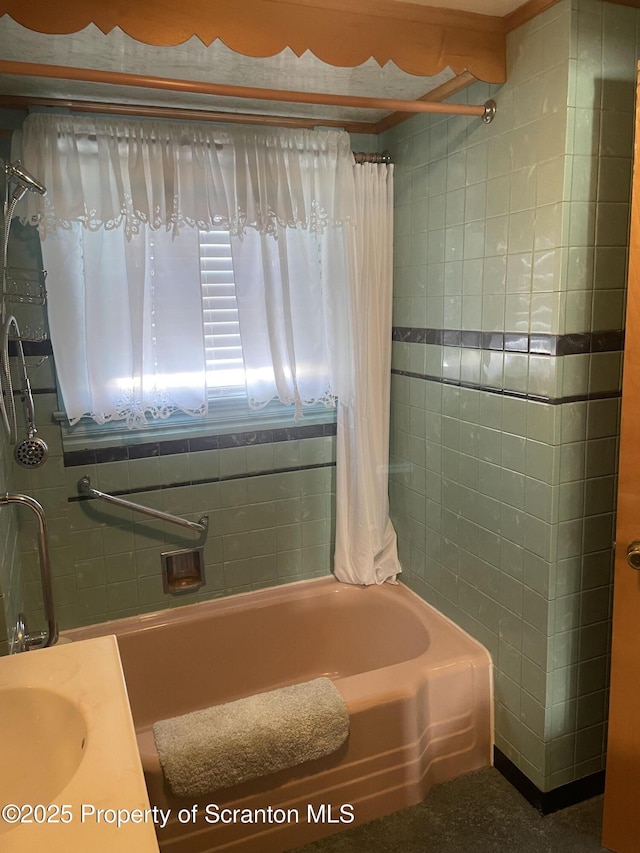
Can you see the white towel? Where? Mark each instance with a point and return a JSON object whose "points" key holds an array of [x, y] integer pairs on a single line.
{"points": [[232, 743]]}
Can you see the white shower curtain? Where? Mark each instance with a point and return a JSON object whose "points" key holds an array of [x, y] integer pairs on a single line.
{"points": [[314, 305], [366, 550]]}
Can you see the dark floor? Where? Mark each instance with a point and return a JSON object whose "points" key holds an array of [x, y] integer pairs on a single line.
{"points": [[479, 812]]}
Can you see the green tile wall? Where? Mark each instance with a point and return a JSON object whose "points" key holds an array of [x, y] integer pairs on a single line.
{"points": [[504, 503], [271, 521]]}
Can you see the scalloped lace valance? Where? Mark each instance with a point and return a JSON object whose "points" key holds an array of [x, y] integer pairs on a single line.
{"points": [[170, 174]]}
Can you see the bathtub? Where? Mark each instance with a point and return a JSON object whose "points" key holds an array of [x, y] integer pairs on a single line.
{"points": [[417, 688]]}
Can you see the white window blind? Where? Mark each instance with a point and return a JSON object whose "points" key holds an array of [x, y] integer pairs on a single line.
{"points": [[223, 350]]}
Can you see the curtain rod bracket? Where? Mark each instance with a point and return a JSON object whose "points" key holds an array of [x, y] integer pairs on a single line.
{"points": [[369, 157], [490, 108]]}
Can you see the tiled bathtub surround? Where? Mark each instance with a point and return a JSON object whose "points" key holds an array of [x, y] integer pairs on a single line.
{"points": [[510, 271], [270, 508]]}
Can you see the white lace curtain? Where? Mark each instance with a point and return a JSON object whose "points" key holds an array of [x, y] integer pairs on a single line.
{"points": [[126, 323], [119, 226], [311, 242], [293, 308], [109, 173]]}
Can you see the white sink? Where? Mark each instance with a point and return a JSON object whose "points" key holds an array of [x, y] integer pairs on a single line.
{"points": [[67, 746], [42, 738]]}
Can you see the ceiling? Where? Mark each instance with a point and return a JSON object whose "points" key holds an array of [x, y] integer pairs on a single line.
{"points": [[104, 59], [481, 7]]}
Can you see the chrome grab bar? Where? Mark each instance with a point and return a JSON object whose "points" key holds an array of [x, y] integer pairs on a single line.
{"points": [[85, 488], [39, 639]]}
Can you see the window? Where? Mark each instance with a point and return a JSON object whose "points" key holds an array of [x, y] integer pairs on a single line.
{"points": [[228, 406], [134, 276]]}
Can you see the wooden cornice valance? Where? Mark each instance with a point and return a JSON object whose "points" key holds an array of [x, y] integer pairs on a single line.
{"points": [[419, 39]]}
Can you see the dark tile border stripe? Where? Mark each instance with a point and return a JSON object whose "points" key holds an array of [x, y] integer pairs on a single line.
{"points": [[206, 481], [170, 447], [548, 801], [534, 343], [536, 398]]}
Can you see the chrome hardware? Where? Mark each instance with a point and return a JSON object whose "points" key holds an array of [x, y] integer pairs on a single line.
{"points": [[20, 635], [633, 555], [85, 488], [372, 157], [25, 640], [183, 570], [26, 286], [490, 109]]}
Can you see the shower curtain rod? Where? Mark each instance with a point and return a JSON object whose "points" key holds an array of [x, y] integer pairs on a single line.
{"points": [[89, 75]]}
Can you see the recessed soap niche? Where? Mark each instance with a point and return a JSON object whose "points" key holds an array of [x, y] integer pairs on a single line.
{"points": [[182, 571]]}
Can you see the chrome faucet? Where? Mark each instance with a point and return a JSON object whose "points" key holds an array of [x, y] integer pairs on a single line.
{"points": [[25, 641]]}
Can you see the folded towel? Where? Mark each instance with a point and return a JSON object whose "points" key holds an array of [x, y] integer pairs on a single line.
{"points": [[231, 743]]}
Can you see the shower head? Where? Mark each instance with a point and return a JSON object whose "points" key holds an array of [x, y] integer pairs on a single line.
{"points": [[32, 452], [25, 180]]}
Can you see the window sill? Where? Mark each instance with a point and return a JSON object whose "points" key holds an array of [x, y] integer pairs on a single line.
{"points": [[227, 417]]}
